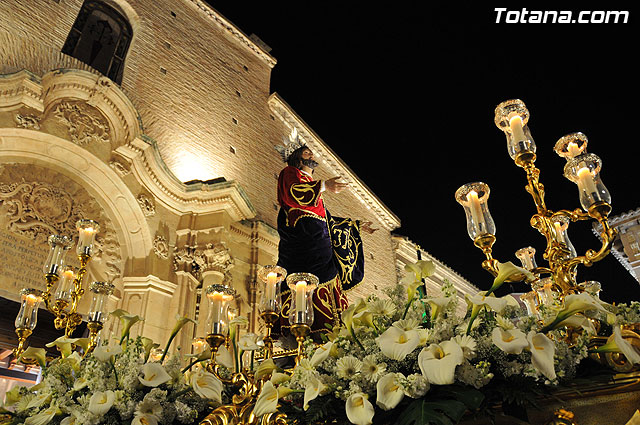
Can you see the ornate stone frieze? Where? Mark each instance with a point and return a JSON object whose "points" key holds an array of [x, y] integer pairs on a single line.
{"points": [[86, 126], [36, 202], [147, 205], [31, 122], [214, 257]]}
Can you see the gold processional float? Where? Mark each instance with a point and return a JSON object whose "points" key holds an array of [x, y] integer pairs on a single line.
{"points": [[549, 284]]}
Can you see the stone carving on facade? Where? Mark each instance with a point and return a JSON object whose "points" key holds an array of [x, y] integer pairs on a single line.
{"points": [[214, 257], [50, 203], [119, 166], [147, 205], [161, 247], [28, 121], [85, 124]]}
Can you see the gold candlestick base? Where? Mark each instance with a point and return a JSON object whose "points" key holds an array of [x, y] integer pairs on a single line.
{"points": [[94, 329], [300, 331], [269, 318], [23, 334]]}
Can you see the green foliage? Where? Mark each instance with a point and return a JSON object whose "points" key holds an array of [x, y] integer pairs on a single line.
{"points": [[445, 406]]}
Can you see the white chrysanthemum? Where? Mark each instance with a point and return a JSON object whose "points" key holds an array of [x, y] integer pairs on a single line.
{"points": [[372, 370], [384, 307], [407, 324], [148, 407], [416, 386], [504, 323], [468, 345], [347, 367]]}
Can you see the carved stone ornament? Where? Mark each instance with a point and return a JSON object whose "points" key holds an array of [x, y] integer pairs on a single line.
{"points": [[85, 124], [215, 257], [120, 167], [36, 202], [31, 122], [147, 205], [161, 247]]}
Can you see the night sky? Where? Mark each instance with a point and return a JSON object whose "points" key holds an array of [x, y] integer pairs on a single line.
{"points": [[405, 95]]}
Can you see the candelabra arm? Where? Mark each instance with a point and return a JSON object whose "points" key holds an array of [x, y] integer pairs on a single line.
{"points": [[527, 161], [485, 243], [73, 318], [600, 212]]}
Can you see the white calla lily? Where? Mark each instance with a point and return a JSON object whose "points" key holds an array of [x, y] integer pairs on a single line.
{"points": [[511, 341], [509, 271], [250, 342], [265, 368], [573, 304], [617, 344], [153, 374], [101, 401], [438, 362], [42, 418], [104, 353], [389, 393], [145, 419], [359, 410], [267, 401], [313, 388], [437, 304], [321, 354], [206, 385], [542, 354], [396, 343]]}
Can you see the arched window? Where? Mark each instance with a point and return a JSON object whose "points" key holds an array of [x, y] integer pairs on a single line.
{"points": [[100, 38]]}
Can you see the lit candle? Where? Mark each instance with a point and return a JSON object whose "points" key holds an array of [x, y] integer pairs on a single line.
{"points": [[517, 131], [586, 181], [270, 289], [301, 297], [573, 149], [66, 281], [86, 236], [476, 209], [216, 306]]}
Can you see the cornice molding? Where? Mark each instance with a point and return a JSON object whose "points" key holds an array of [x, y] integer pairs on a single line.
{"points": [[215, 16], [289, 117], [201, 198]]}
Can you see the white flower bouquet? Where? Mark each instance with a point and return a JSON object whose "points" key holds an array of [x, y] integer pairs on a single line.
{"points": [[115, 384], [404, 359]]}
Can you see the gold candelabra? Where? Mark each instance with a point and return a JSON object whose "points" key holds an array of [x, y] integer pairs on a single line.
{"points": [[68, 283], [581, 167], [246, 384]]}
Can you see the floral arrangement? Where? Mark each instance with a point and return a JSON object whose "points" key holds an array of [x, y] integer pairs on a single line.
{"points": [[402, 358], [114, 384]]}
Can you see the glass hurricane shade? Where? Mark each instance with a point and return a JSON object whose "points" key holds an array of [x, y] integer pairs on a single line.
{"points": [[271, 276], [584, 171], [560, 226], [511, 117], [219, 296], [65, 284], [301, 286], [100, 292], [87, 230], [571, 145], [473, 197], [527, 257], [58, 247], [27, 317]]}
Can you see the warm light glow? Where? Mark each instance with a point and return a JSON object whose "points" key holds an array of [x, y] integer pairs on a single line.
{"points": [[515, 123], [270, 288], [474, 206], [586, 180], [301, 296], [573, 149]]}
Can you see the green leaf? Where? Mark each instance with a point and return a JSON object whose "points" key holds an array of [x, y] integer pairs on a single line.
{"points": [[440, 412]]}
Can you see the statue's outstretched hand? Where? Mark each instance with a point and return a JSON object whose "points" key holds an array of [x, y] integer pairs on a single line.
{"points": [[333, 185]]}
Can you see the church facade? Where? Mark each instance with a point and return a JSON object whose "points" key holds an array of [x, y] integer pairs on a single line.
{"points": [[156, 119]]}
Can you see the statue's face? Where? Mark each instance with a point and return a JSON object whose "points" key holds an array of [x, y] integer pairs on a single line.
{"points": [[307, 159]]}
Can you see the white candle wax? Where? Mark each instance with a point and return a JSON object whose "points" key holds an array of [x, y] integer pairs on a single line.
{"points": [[586, 182], [573, 149], [476, 209], [216, 307], [270, 288], [301, 297], [86, 236], [517, 130]]}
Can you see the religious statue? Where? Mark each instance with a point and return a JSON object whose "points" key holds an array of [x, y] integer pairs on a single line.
{"points": [[314, 241]]}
